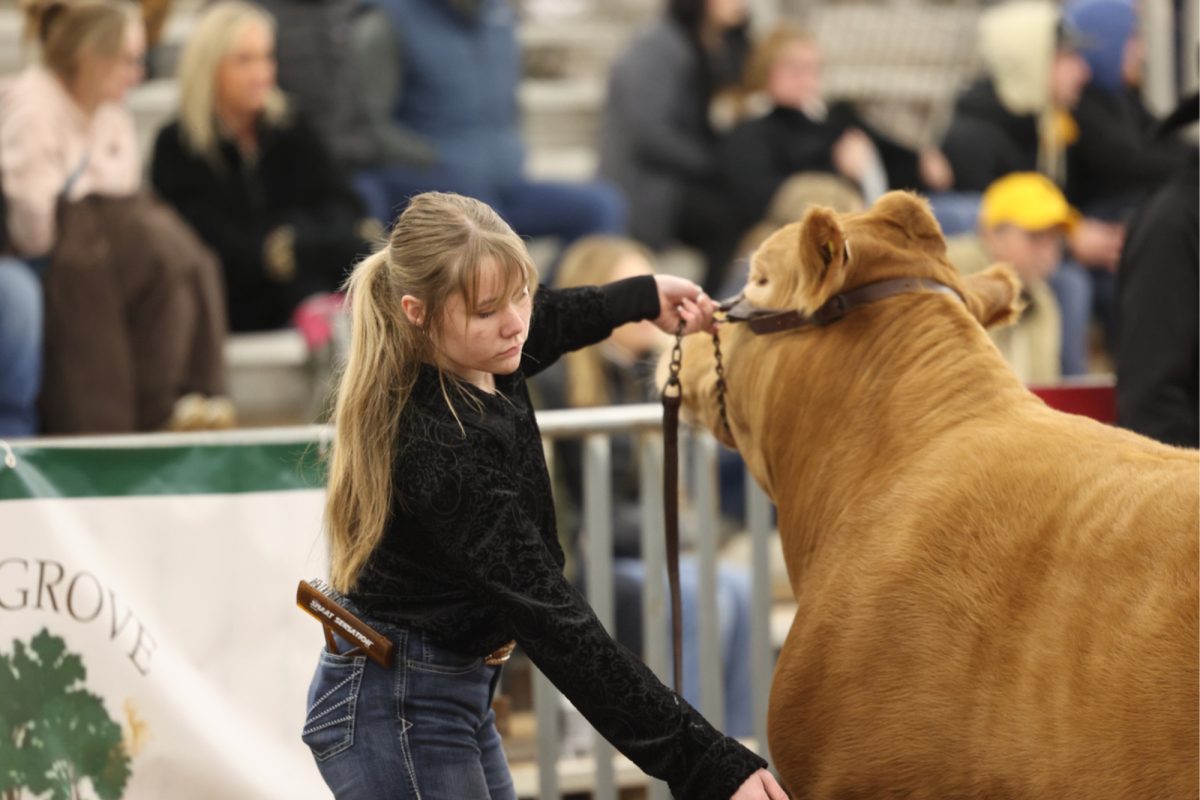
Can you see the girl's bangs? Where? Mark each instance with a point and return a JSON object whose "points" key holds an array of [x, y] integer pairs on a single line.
{"points": [[516, 267]]}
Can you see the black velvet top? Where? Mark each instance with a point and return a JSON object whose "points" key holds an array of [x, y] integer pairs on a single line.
{"points": [[471, 554]]}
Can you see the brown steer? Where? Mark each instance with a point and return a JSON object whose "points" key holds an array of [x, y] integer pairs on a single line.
{"points": [[996, 600]]}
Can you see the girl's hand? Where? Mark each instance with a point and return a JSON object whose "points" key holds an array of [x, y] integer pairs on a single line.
{"points": [[680, 299], [760, 786]]}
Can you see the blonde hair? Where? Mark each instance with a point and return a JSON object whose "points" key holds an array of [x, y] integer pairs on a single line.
{"points": [[795, 196], [768, 50], [211, 40], [589, 262], [432, 253], [65, 30]]}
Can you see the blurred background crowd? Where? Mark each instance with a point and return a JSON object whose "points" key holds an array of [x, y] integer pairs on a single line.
{"points": [[181, 178]]}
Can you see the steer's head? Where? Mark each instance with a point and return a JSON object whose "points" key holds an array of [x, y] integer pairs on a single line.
{"points": [[801, 267]]}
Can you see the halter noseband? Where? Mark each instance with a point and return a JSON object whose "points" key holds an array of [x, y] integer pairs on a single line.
{"points": [[772, 320]]}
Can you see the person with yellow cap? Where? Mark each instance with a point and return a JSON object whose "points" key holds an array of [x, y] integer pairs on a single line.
{"points": [[1024, 220]]}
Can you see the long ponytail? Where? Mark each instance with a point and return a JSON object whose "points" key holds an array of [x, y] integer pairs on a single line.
{"points": [[380, 369]]}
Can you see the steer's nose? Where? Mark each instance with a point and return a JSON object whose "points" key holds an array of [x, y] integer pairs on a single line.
{"points": [[729, 303]]}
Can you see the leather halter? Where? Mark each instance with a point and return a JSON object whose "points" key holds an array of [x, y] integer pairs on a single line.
{"points": [[772, 320]]}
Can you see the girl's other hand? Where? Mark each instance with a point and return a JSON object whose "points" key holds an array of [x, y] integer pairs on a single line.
{"points": [[760, 786]]}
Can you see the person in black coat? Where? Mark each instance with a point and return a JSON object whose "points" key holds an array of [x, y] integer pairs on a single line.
{"points": [[1117, 160], [255, 180], [800, 133], [657, 140], [1158, 347], [1016, 117]]}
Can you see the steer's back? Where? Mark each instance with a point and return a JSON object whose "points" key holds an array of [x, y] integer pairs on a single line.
{"points": [[1012, 614]]}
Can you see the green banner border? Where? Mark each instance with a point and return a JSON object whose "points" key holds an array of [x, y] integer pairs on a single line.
{"points": [[66, 472]]}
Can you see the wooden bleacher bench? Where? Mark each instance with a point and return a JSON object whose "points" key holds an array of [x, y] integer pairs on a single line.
{"points": [[274, 379]]}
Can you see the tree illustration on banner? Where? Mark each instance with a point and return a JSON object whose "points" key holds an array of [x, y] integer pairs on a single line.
{"points": [[54, 734]]}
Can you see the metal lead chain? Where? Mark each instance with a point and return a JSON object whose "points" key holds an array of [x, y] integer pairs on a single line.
{"points": [[676, 363], [720, 367]]}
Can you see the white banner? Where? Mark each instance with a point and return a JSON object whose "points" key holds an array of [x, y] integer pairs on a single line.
{"points": [[150, 646]]}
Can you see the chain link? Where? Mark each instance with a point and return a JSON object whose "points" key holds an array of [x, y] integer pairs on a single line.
{"points": [[716, 337], [676, 364], [673, 384]]}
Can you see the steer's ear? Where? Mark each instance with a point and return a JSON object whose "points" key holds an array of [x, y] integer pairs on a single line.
{"points": [[911, 214], [824, 258], [994, 295]]}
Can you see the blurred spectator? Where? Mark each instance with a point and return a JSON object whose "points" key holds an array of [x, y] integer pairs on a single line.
{"points": [[799, 132], [1158, 323], [616, 371], [438, 80], [1023, 221], [1018, 119], [315, 57], [790, 200], [656, 138], [1116, 161], [20, 348], [134, 320], [154, 17], [252, 176]]}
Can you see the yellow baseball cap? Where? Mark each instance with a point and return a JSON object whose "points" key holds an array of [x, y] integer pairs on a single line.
{"points": [[1028, 200]]}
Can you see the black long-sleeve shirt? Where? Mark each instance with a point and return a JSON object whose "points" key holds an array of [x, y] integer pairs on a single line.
{"points": [[471, 555]]}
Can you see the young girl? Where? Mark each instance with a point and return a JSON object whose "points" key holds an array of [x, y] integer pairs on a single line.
{"points": [[442, 529]]}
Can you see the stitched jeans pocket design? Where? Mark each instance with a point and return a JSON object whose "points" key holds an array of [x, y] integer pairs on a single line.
{"points": [[332, 704]]}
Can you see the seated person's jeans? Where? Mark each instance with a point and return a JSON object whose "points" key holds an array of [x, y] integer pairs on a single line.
{"points": [[1074, 291], [20, 348], [566, 211], [422, 730]]}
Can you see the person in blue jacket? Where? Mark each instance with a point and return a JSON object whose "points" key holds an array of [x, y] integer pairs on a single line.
{"points": [[438, 80]]}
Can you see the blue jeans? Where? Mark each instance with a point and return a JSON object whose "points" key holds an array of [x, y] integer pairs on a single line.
{"points": [[566, 211], [20, 348], [422, 730], [1073, 289], [956, 212]]}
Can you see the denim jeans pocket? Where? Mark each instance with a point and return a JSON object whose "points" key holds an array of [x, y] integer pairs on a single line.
{"points": [[426, 656], [332, 704]]}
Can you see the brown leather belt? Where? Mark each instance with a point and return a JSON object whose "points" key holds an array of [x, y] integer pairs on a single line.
{"points": [[500, 654]]}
